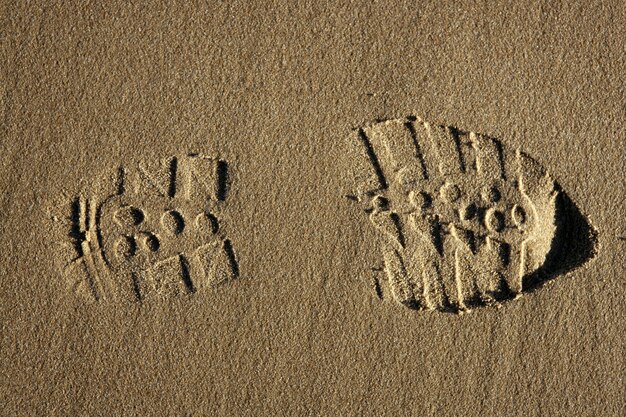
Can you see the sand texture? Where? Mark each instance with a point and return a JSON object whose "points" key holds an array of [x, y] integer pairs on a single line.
{"points": [[334, 209]]}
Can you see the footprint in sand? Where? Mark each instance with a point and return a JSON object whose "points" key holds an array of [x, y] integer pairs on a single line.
{"points": [[464, 221]]}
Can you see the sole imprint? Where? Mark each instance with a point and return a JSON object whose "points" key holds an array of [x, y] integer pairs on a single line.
{"points": [[464, 221], [152, 230]]}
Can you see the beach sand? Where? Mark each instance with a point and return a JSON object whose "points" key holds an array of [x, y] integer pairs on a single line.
{"points": [[186, 225]]}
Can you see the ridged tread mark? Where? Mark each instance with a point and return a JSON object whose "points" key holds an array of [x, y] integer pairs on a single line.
{"points": [[230, 253], [173, 168], [223, 178], [418, 149], [373, 159], [185, 274]]}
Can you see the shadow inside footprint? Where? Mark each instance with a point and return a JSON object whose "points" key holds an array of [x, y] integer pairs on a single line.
{"points": [[574, 243]]}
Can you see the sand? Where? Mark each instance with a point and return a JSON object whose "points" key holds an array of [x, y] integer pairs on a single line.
{"points": [[376, 208]]}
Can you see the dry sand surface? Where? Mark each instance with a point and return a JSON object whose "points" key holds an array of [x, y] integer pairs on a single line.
{"points": [[281, 208]]}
